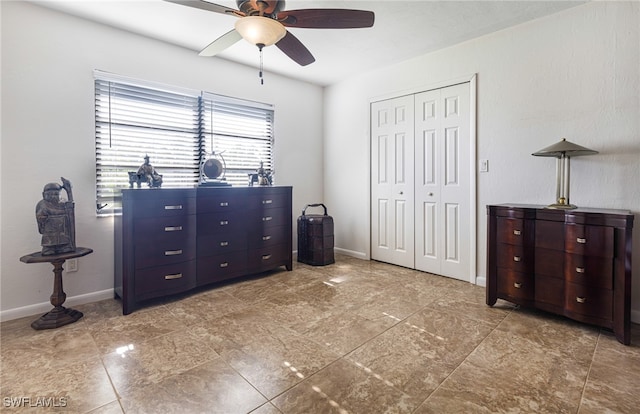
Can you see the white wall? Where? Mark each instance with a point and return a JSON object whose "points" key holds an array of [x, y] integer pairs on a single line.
{"points": [[48, 60], [575, 74]]}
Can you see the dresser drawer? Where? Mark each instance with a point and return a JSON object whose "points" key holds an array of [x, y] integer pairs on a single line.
{"points": [[589, 270], [549, 262], [212, 200], [269, 236], [221, 267], [549, 291], [268, 198], [266, 219], [159, 203], [154, 229], [163, 252], [266, 258], [222, 223], [589, 240], [589, 301], [514, 257], [515, 285], [164, 280], [511, 230], [222, 242]]}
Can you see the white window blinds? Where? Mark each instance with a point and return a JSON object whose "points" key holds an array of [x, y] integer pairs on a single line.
{"points": [[177, 130]]}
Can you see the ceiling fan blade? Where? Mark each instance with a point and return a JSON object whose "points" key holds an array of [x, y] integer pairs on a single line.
{"points": [[326, 18], [205, 5], [221, 43], [294, 48]]}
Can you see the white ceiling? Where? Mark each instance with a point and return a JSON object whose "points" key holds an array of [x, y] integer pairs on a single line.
{"points": [[403, 29]]}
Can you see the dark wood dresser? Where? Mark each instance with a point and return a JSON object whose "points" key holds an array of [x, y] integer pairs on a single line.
{"points": [[575, 263], [169, 241]]}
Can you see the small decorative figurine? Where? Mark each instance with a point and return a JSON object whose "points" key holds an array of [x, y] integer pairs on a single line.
{"points": [[146, 173], [264, 176], [56, 219]]}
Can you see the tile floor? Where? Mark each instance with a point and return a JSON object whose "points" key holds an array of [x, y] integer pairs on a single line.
{"points": [[353, 337]]}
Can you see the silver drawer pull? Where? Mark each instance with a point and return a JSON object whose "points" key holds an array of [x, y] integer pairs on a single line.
{"points": [[517, 285], [268, 218], [224, 204], [581, 240], [173, 228], [174, 276], [265, 238], [267, 201], [224, 243], [172, 252], [580, 269], [266, 256], [224, 222], [580, 299], [177, 207], [517, 258], [517, 232], [225, 264]]}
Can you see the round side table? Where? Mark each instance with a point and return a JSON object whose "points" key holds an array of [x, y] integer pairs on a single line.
{"points": [[59, 315]]}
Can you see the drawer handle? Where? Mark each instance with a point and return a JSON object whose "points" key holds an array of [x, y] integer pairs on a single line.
{"points": [[580, 269], [517, 232], [580, 299], [224, 204], [177, 207], [581, 240], [266, 256], [172, 252], [173, 228], [268, 218], [224, 243], [517, 285], [265, 238], [224, 222], [267, 201], [517, 258], [225, 264], [174, 276]]}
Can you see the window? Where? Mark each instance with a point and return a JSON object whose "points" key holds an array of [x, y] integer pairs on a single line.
{"points": [[178, 129]]}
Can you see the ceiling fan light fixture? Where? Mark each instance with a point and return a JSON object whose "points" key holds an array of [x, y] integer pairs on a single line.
{"points": [[259, 30]]}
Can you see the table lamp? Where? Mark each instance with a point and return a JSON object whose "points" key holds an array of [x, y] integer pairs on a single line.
{"points": [[563, 151]]}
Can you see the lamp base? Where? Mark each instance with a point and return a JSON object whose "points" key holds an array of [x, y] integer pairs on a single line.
{"points": [[562, 206]]}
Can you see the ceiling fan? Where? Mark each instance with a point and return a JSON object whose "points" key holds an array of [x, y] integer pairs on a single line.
{"points": [[264, 22]]}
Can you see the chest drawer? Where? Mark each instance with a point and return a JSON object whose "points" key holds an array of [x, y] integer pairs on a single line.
{"points": [[269, 236], [222, 242], [268, 198], [166, 228], [589, 301], [265, 219], [266, 257], [515, 257], [589, 270], [589, 240], [212, 200], [163, 252], [550, 291], [164, 280], [512, 230], [221, 267], [549, 235], [159, 203], [515, 285], [221, 223]]}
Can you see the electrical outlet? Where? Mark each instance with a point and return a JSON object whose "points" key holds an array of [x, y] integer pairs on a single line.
{"points": [[72, 265], [484, 165]]}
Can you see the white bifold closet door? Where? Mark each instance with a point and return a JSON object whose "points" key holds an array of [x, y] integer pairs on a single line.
{"points": [[420, 184]]}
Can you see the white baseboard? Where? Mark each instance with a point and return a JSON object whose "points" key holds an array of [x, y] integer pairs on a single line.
{"points": [[481, 281], [352, 253], [44, 307]]}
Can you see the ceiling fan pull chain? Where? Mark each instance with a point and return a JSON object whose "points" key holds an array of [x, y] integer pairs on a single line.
{"points": [[260, 46]]}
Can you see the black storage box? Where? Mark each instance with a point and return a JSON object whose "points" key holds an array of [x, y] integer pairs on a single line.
{"points": [[315, 237]]}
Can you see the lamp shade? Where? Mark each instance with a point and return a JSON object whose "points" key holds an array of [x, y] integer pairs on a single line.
{"points": [[259, 30], [564, 147]]}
